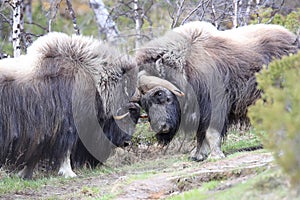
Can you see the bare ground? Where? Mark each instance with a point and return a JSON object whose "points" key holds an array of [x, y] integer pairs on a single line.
{"points": [[157, 181]]}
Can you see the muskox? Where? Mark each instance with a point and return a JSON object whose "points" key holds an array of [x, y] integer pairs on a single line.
{"points": [[216, 72], [59, 104]]}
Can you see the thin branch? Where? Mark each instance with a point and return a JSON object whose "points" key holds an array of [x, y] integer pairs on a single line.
{"points": [[6, 19], [204, 9], [134, 35], [53, 14], [193, 11], [275, 11], [72, 13], [38, 25], [178, 13]]}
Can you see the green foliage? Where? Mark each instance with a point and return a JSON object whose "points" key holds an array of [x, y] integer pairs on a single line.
{"points": [[15, 184], [277, 114], [143, 134], [62, 22], [240, 140], [268, 184], [290, 21]]}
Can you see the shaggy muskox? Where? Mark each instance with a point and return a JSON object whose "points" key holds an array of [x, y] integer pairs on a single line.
{"points": [[216, 72], [59, 102]]}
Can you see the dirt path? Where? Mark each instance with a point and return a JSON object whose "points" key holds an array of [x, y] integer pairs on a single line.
{"points": [[185, 176], [154, 182]]}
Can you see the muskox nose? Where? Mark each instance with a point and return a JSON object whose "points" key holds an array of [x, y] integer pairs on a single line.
{"points": [[164, 128], [127, 143]]}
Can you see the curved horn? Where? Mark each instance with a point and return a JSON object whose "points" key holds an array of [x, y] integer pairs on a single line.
{"points": [[147, 83], [119, 117]]}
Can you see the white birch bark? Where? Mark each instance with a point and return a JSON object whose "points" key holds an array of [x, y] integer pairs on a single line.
{"points": [[214, 13], [73, 15], [247, 14], [235, 14], [17, 25], [138, 23], [106, 25]]}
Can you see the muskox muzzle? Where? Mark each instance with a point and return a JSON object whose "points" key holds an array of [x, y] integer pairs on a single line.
{"points": [[126, 119], [163, 111]]}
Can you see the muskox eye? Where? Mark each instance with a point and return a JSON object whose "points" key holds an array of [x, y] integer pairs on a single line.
{"points": [[159, 93]]}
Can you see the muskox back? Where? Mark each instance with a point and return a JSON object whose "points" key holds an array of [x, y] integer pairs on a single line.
{"points": [[49, 96], [216, 70]]}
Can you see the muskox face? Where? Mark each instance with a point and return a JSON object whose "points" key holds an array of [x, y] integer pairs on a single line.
{"points": [[163, 111], [119, 131], [122, 124]]}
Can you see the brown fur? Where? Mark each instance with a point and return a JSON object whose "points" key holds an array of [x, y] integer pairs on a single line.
{"points": [[216, 70], [37, 96]]}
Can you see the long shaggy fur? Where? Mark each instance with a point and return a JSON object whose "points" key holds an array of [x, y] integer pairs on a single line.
{"points": [[36, 116], [217, 68]]}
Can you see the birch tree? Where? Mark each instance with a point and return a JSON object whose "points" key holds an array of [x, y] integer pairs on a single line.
{"points": [[223, 14], [73, 15], [235, 13], [138, 23], [106, 26], [138, 12], [17, 6]]}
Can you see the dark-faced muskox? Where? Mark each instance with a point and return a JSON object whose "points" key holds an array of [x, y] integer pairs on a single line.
{"points": [[216, 72], [58, 100]]}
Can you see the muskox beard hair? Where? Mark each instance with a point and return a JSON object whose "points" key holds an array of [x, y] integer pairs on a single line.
{"points": [[81, 156]]}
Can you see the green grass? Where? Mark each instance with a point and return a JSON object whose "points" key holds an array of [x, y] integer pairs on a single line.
{"points": [[197, 194], [137, 171], [269, 184], [15, 184], [141, 176], [240, 140]]}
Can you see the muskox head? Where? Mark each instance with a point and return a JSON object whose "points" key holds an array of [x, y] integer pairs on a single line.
{"points": [[121, 125], [104, 116], [158, 98]]}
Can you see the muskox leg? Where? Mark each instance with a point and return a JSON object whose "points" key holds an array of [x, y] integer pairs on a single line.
{"points": [[27, 171], [65, 167], [214, 140], [202, 149]]}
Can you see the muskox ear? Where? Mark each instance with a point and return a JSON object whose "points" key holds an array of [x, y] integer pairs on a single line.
{"points": [[127, 64], [159, 66]]}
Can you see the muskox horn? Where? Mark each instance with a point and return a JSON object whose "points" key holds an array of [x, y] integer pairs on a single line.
{"points": [[146, 83], [119, 117]]}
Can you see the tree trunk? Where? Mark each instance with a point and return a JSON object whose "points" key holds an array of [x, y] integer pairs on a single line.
{"points": [[235, 14], [106, 26], [17, 26], [73, 15], [247, 14], [138, 23]]}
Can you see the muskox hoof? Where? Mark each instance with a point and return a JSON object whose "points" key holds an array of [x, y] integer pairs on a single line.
{"points": [[197, 158], [66, 173], [26, 173], [216, 156]]}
